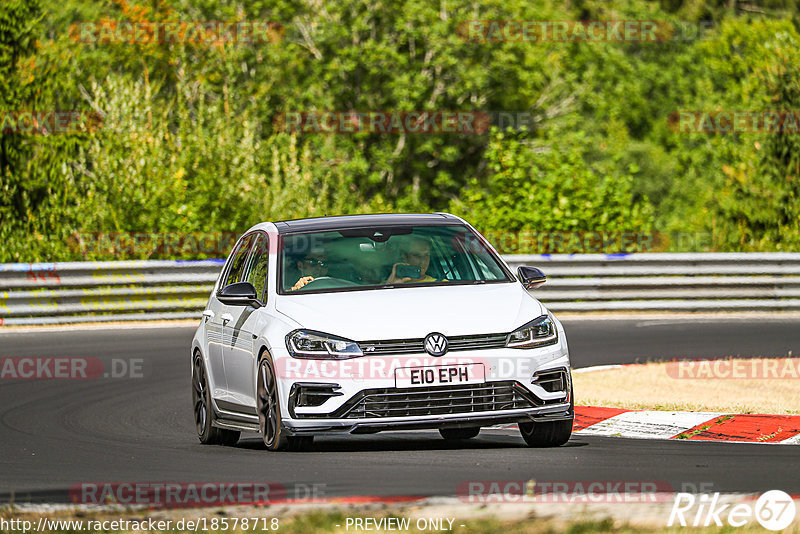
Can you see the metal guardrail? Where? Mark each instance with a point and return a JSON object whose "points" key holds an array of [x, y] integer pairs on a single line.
{"points": [[663, 281], [52, 293]]}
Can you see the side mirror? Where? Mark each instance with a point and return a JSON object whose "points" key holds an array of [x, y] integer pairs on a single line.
{"points": [[531, 277], [239, 294]]}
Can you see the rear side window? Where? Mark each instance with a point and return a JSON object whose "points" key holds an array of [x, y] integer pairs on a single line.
{"points": [[236, 269]]}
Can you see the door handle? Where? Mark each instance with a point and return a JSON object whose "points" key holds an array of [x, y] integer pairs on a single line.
{"points": [[226, 317], [208, 314]]}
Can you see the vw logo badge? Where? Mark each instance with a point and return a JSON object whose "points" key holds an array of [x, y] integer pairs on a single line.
{"points": [[436, 344]]}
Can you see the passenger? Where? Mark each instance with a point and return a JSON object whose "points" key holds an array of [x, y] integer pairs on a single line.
{"points": [[313, 266], [415, 252]]}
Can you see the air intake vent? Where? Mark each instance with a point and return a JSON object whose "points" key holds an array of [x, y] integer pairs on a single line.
{"points": [[551, 381]]}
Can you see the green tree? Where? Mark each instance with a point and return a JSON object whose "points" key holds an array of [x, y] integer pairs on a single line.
{"points": [[758, 201], [18, 33], [534, 188]]}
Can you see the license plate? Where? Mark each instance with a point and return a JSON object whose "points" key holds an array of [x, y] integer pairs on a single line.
{"points": [[440, 375]]}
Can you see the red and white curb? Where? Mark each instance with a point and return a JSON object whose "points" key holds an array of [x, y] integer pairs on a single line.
{"points": [[692, 426]]}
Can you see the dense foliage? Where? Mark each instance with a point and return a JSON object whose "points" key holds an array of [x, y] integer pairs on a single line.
{"points": [[189, 142]]}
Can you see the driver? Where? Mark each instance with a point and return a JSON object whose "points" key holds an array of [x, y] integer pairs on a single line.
{"points": [[311, 267], [416, 252]]}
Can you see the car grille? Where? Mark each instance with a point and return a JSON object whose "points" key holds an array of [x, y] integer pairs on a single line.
{"points": [[410, 346], [439, 400]]}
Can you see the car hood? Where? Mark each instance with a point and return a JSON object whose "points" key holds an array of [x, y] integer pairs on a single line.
{"points": [[411, 313]]}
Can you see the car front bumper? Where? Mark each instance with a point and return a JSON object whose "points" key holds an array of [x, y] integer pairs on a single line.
{"points": [[557, 412], [368, 399]]}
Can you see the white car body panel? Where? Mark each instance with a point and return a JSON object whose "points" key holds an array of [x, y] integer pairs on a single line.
{"points": [[414, 312]]}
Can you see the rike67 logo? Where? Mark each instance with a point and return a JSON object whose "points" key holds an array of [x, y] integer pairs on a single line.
{"points": [[774, 510]]}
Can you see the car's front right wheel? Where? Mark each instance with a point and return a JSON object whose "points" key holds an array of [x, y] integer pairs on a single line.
{"points": [[269, 412]]}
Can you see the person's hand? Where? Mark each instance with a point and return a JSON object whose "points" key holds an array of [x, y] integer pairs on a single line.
{"points": [[303, 281], [393, 279]]}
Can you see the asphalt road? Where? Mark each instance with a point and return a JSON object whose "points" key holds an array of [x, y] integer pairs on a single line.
{"points": [[55, 434]]}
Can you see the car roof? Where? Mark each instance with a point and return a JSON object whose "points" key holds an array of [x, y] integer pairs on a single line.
{"points": [[321, 224]]}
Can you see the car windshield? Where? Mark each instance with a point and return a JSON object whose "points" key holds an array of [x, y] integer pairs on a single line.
{"points": [[370, 258]]}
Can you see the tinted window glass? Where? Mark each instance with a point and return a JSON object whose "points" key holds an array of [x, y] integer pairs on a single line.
{"points": [[257, 269], [367, 258], [237, 262]]}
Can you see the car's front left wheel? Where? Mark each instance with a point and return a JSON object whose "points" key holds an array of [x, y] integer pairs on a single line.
{"points": [[204, 412], [459, 433], [549, 433]]}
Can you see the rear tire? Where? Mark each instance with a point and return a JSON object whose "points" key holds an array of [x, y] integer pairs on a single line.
{"points": [[550, 433], [459, 433], [207, 433]]}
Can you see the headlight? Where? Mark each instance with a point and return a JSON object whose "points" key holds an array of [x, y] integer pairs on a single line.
{"points": [[538, 333], [317, 345]]}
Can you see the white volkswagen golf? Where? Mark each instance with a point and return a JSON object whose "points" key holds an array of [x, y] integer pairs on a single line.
{"points": [[360, 324]]}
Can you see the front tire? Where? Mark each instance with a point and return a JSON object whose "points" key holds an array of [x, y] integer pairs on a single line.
{"points": [[550, 433], [269, 413], [269, 408], [207, 433]]}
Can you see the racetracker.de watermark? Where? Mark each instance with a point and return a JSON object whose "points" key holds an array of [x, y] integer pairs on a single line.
{"points": [[384, 121], [575, 241], [197, 32], [565, 31], [425, 370], [735, 121], [564, 491], [732, 368], [219, 244], [190, 494], [70, 368], [146, 244], [470, 122], [49, 122], [417, 370]]}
